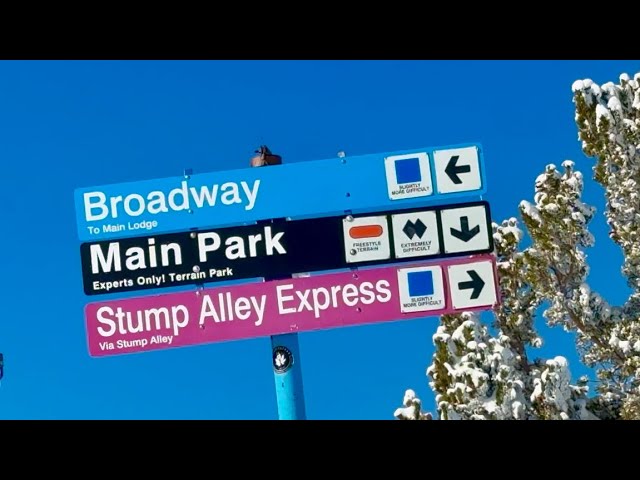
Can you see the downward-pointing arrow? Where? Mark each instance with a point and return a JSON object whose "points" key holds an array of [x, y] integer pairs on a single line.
{"points": [[453, 170], [476, 283], [464, 233]]}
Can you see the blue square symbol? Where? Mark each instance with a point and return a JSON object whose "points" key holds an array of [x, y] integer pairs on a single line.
{"points": [[408, 170], [420, 283]]}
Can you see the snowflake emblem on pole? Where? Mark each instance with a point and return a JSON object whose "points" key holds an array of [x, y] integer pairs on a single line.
{"points": [[282, 359]]}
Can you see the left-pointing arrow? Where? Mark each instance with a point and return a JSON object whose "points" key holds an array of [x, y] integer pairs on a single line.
{"points": [[476, 283], [453, 170]]}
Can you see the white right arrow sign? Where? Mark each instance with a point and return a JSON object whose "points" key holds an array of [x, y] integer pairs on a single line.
{"points": [[472, 285]]}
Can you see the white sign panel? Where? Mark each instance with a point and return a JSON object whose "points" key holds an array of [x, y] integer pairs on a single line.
{"points": [[457, 170], [465, 229], [408, 176], [421, 289], [366, 238], [415, 234], [472, 285]]}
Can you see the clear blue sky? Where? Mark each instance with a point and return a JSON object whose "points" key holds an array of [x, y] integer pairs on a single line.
{"points": [[69, 124]]}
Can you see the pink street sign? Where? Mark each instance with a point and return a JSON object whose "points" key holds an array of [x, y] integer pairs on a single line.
{"points": [[365, 296]]}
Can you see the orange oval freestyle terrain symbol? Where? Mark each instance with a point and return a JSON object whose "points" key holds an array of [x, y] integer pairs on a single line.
{"points": [[365, 231]]}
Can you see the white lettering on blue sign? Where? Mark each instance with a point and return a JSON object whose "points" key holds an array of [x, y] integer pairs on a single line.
{"points": [[296, 190], [97, 206]]}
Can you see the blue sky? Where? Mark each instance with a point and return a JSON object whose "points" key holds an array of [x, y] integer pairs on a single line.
{"points": [[68, 124]]}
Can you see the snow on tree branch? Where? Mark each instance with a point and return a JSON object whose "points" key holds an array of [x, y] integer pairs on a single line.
{"points": [[476, 375], [412, 409], [608, 120]]}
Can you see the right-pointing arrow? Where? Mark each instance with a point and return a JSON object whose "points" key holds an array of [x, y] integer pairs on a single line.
{"points": [[476, 283], [453, 170]]}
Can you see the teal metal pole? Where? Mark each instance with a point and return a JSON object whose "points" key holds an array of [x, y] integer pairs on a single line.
{"points": [[288, 376], [285, 351]]}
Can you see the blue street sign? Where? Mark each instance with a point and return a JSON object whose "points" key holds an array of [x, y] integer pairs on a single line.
{"points": [[360, 184]]}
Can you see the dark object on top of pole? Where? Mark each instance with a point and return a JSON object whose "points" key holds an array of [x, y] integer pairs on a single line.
{"points": [[287, 367], [265, 158]]}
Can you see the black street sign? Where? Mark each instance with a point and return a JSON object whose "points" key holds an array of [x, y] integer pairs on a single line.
{"points": [[282, 248]]}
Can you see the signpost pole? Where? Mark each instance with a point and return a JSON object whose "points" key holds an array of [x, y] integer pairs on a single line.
{"points": [[288, 378], [285, 351]]}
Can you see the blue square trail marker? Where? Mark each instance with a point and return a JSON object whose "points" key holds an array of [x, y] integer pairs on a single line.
{"points": [[408, 170], [420, 283]]}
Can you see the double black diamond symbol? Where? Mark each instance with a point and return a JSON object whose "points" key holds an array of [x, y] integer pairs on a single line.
{"points": [[412, 229]]}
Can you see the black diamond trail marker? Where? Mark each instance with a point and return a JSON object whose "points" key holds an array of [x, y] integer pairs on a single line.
{"points": [[412, 229]]}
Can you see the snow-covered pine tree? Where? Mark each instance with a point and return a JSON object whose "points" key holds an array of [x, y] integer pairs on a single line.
{"points": [[479, 375]]}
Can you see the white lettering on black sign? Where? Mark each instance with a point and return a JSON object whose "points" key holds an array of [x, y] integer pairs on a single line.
{"points": [[278, 248]]}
